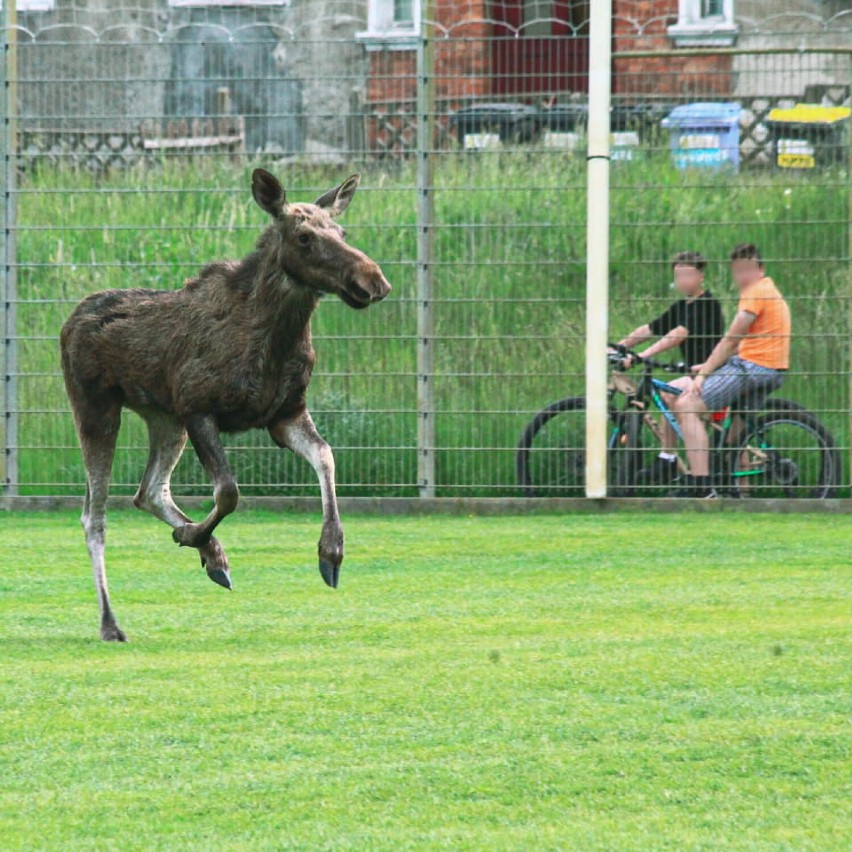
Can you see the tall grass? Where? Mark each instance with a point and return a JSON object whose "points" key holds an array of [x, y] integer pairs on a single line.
{"points": [[509, 310]]}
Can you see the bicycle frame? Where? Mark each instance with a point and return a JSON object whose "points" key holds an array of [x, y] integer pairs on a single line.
{"points": [[650, 388]]}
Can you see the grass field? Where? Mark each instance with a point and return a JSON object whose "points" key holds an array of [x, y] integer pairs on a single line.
{"points": [[574, 682], [509, 304]]}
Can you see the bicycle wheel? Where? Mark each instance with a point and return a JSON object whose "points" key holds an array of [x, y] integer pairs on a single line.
{"points": [[551, 456], [626, 457], [786, 453]]}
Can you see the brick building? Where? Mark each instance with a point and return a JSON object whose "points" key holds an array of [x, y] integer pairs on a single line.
{"points": [[326, 78], [538, 50]]}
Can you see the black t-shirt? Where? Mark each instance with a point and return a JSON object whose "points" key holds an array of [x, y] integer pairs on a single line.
{"points": [[701, 317]]}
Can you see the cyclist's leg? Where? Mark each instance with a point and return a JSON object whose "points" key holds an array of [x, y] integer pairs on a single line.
{"points": [[669, 438], [664, 468], [695, 436], [720, 389]]}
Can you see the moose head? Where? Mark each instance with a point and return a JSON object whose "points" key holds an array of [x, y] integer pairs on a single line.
{"points": [[312, 246]]}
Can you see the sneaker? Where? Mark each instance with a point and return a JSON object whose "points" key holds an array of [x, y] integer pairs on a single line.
{"points": [[695, 487], [659, 472]]}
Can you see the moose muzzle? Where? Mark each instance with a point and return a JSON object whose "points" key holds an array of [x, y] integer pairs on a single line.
{"points": [[365, 286]]}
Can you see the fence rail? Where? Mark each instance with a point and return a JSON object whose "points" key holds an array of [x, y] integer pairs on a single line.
{"points": [[128, 140]]}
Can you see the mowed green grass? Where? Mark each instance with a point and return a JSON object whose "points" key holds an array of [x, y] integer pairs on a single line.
{"points": [[619, 681]]}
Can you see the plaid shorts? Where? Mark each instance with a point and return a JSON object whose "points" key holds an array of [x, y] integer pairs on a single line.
{"points": [[737, 379]]}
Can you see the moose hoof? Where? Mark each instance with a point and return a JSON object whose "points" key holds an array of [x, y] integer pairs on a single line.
{"points": [[191, 535], [219, 576], [214, 561], [113, 633], [330, 572]]}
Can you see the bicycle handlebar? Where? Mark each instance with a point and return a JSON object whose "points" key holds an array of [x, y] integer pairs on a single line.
{"points": [[623, 352]]}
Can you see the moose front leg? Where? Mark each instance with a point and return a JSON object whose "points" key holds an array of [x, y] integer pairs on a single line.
{"points": [[204, 435], [300, 435]]}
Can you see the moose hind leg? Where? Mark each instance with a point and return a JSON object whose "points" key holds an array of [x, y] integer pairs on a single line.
{"points": [[300, 435], [98, 435], [208, 446], [167, 439]]}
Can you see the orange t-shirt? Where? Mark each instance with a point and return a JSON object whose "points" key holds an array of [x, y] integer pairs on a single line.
{"points": [[768, 340]]}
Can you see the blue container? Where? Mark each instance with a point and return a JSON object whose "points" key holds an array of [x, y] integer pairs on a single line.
{"points": [[704, 135]]}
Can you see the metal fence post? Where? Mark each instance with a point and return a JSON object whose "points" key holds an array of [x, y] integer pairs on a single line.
{"points": [[425, 253], [8, 147]]}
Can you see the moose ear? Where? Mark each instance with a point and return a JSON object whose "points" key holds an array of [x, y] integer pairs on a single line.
{"points": [[337, 200], [268, 192]]}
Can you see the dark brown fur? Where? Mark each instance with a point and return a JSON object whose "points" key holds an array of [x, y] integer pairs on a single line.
{"points": [[230, 351]]}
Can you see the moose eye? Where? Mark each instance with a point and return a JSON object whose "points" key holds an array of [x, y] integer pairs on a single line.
{"points": [[304, 239]]}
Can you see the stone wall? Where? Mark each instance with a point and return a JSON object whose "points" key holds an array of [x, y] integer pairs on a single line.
{"points": [[768, 24], [292, 71]]}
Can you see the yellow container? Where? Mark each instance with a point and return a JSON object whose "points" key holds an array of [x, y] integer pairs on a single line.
{"points": [[810, 114], [808, 135]]}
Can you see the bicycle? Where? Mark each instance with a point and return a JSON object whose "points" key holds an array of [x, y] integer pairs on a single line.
{"points": [[761, 446]]}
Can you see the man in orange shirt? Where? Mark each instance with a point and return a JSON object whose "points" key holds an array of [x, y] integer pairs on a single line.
{"points": [[760, 337]]}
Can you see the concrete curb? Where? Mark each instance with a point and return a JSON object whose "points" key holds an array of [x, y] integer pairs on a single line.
{"points": [[466, 505]]}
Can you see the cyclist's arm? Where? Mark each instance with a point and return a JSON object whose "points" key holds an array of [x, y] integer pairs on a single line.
{"points": [[728, 345], [637, 336], [668, 341]]}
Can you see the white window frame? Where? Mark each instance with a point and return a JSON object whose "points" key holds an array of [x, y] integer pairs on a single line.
{"points": [[197, 3], [34, 5], [695, 30], [383, 32]]}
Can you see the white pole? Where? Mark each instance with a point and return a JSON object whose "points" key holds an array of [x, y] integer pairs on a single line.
{"points": [[597, 245]]}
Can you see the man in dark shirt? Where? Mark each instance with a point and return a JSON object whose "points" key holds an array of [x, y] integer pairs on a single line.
{"points": [[694, 323]]}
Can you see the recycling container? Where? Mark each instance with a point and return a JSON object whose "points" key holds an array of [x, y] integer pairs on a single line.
{"points": [[808, 136], [490, 122], [704, 135]]}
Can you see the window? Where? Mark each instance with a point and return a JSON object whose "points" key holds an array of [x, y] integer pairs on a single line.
{"points": [[704, 23], [403, 13], [537, 17], [391, 24]]}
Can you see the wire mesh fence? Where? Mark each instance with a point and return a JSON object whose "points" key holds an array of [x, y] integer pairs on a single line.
{"points": [[132, 131]]}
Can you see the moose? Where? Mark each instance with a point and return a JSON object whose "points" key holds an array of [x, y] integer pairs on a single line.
{"points": [[229, 351]]}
